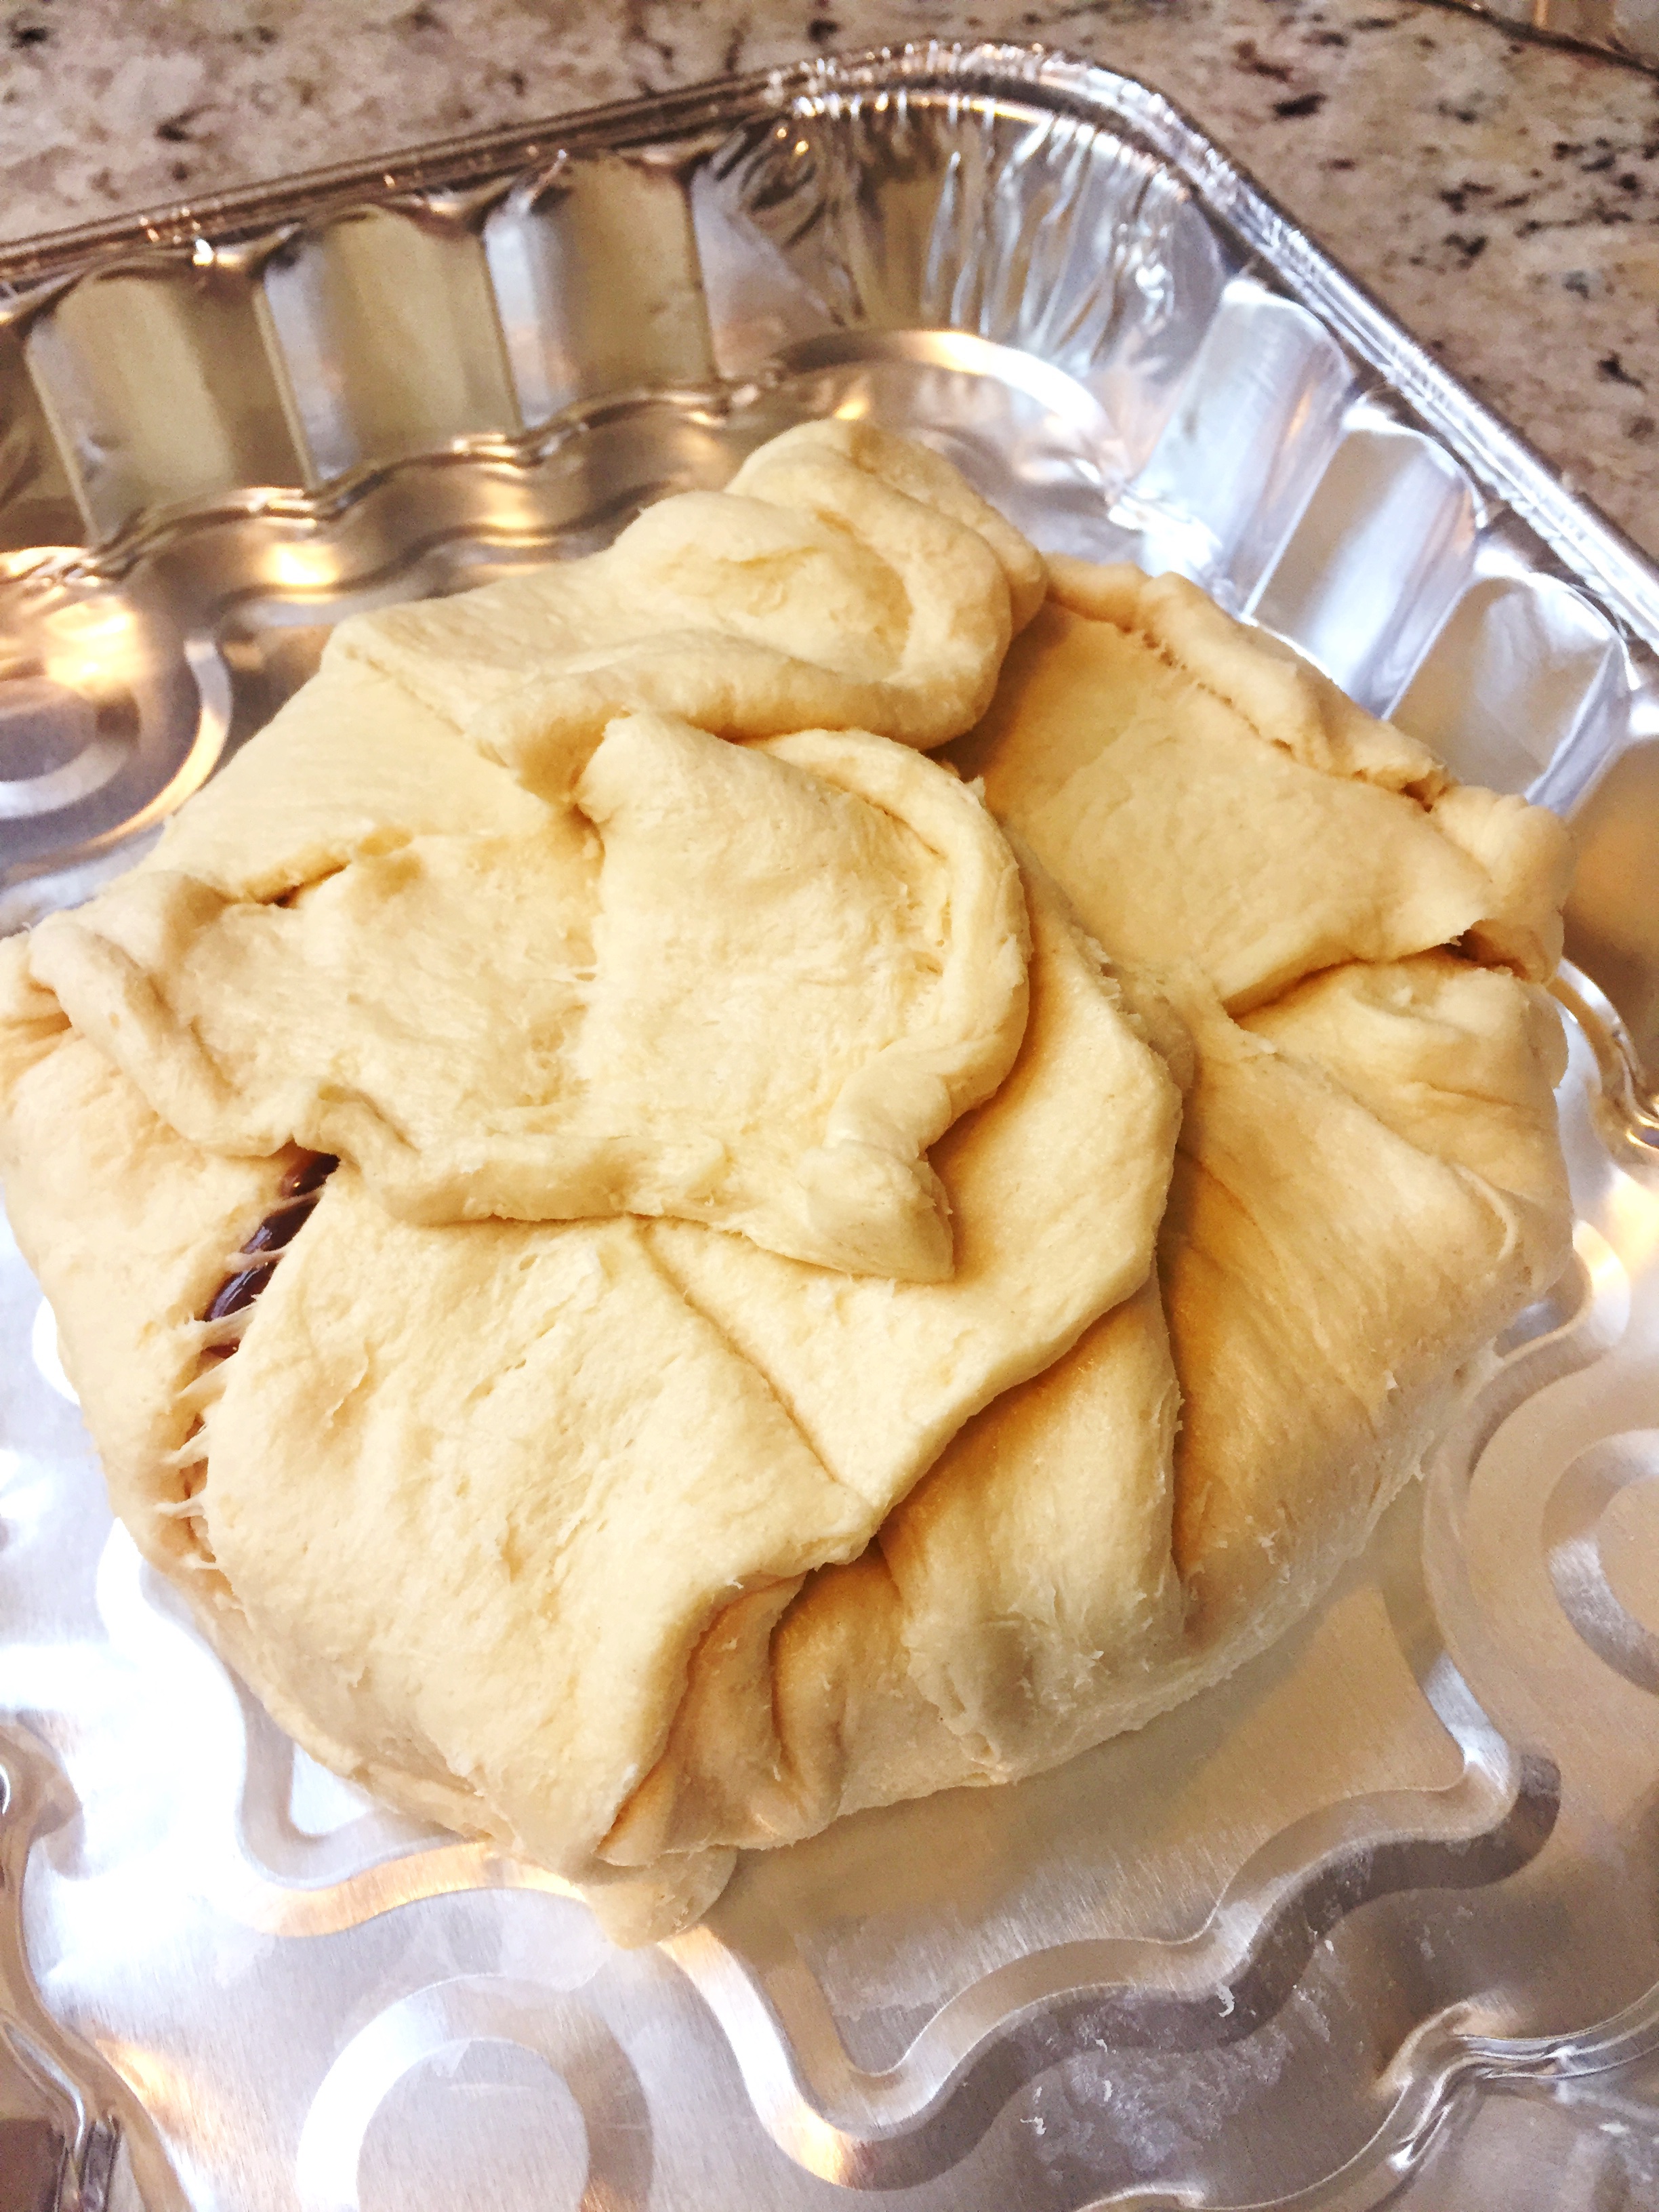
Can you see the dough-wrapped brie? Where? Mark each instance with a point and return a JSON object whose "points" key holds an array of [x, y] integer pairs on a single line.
{"points": [[928, 1337]]}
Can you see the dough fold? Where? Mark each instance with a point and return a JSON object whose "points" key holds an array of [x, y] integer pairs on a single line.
{"points": [[844, 579], [351, 765], [483, 1022], [1202, 794], [1056, 1186]]}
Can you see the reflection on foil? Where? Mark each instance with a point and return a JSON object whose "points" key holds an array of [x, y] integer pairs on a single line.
{"points": [[1575, 1531], [1259, 419], [71, 2126], [1388, 534], [1628, 28], [436, 2027], [87, 647], [51, 752], [106, 726], [917, 2119]]}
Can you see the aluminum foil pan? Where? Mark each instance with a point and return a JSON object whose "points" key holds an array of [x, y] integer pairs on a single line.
{"points": [[1622, 27], [1392, 1888], [1628, 28]]}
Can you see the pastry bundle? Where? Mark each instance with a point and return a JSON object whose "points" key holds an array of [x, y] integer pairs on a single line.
{"points": [[806, 1160]]}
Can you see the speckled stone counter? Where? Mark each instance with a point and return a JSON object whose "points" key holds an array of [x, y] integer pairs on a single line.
{"points": [[1502, 196]]}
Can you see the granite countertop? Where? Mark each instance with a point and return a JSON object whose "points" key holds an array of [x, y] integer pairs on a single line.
{"points": [[1501, 196]]}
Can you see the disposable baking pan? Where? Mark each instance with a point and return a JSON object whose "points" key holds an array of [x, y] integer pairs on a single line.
{"points": [[1293, 1942], [1627, 28]]}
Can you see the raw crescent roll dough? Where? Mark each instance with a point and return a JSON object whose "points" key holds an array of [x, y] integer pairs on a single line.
{"points": [[519, 1436], [481, 1022], [352, 764], [529, 1496], [1016, 1601], [571, 1483], [1368, 1187], [1056, 1186], [1201, 794], [829, 887], [894, 1382], [845, 580]]}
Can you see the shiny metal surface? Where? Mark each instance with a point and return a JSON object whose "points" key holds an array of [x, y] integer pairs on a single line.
{"points": [[1628, 28], [1358, 1923]]}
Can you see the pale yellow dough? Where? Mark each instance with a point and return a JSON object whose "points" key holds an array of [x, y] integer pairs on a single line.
{"points": [[351, 765], [940, 1337], [481, 1022], [1201, 795], [843, 580], [571, 1465], [1056, 1188], [1075, 1563], [544, 1431]]}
